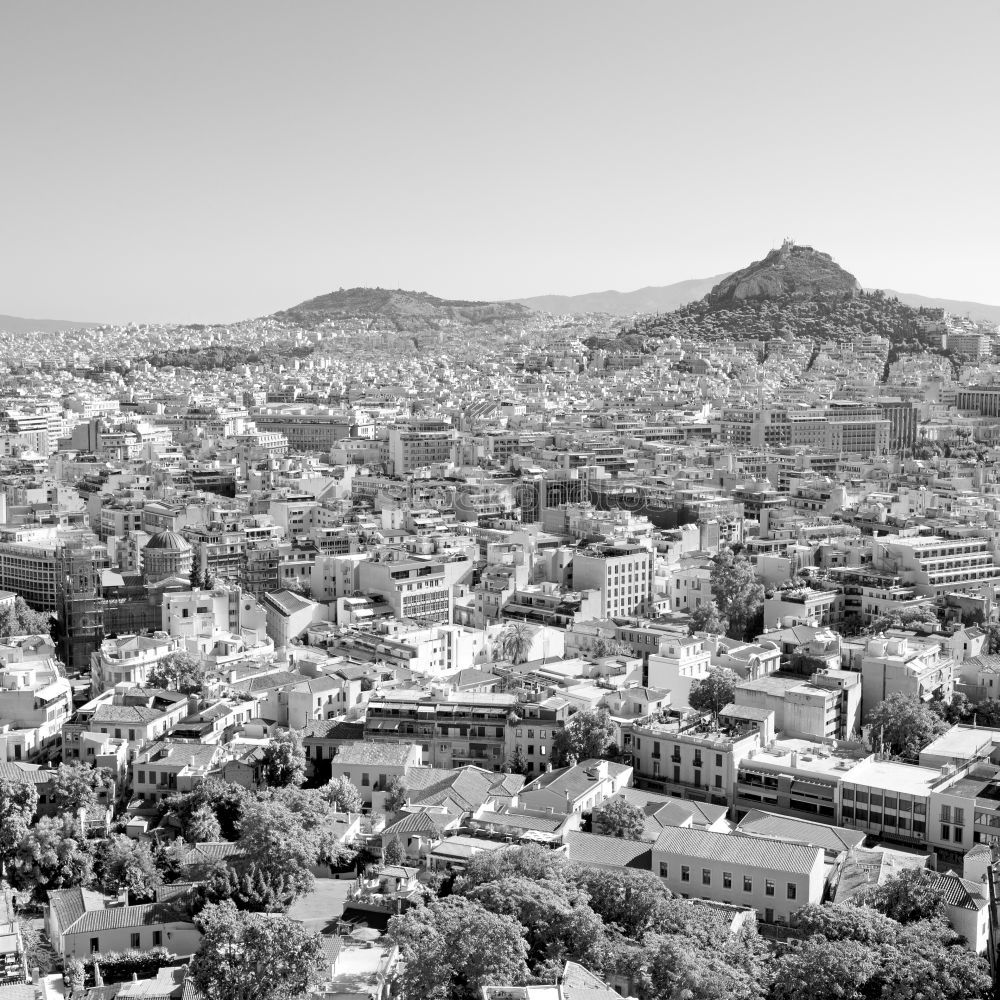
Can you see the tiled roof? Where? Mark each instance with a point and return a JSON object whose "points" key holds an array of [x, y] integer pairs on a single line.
{"points": [[421, 822], [118, 917], [333, 729], [575, 780], [595, 849], [739, 850], [523, 821], [25, 774], [798, 831], [960, 892], [68, 905]]}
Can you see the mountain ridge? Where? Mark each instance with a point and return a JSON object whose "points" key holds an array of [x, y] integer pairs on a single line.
{"points": [[21, 324]]}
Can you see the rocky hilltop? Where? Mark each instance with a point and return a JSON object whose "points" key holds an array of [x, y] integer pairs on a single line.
{"points": [[401, 310], [796, 271]]}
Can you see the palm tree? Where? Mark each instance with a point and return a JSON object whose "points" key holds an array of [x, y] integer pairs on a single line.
{"points": [[515, 641]]}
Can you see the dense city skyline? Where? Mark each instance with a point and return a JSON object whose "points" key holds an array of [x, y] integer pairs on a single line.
{"points": [[211, 163]]}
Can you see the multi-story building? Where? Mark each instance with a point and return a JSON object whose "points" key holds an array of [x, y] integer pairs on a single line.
{"points": [[128, 659], [800, 778], [622, 573], [826, 706], [415, 589], [418, 443], [698, 762], [35, 701], [905, 664], [936, 566], [453, 729]]}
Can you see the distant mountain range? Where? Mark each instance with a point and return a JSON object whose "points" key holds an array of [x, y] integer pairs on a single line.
{"points": [[665, 298], [653, 298], [17, 324], [419, 310]]}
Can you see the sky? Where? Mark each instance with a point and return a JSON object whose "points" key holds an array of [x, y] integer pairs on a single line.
{"points": [[206, 162]]}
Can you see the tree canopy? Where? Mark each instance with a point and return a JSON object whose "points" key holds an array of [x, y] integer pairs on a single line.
{"points": [[714, 692], [903, 725], [284, 761], [739, 595], [454, 947], [619, 818], [253, 956], [178, 671], [22, 619], [587, 734]]}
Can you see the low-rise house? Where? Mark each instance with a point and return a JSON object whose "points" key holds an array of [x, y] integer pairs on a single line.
{"points": [[135, 714], [773, 877], [371, 766], [577, 789], [81, 923], [163, 768], [660, 811]]}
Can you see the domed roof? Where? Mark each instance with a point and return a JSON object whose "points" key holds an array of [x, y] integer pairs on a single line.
{"points": [[169, 540]]}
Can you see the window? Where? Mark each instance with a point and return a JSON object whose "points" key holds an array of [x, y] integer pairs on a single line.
{"points": [[364, 780], [157, 938], [718, 760], [768, 887], [141, 777], [727, 880], [945, 832], [791, 890], [958, 835], [706, 876], [131, 735], [135, 940], [541, 734], [664, 870], [685, 873], [747, 883], [718, 781], [95, 945]]}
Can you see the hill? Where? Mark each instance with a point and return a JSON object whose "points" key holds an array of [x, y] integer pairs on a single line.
{"points": [[404, 311], [651, 299], [798, 272], [793, 293], [18, 324]]}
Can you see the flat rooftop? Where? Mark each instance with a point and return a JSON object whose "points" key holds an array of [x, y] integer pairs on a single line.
{"points": [[894, 776]]}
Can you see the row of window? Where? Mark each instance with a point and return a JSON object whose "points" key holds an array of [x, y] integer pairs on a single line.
{"points": [[727, 880]]}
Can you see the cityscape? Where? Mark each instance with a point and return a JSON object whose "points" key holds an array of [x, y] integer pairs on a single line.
{"points": [[393, 643]]}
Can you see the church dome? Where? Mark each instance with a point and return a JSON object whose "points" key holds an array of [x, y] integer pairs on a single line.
{"points": [[168, 540]]}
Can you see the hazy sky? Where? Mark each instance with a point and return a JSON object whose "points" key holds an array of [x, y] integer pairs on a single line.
{"points": [[215, 160]]}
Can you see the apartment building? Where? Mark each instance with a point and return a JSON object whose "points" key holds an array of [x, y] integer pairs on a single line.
{"points": [[825, 706], [419, 443], [35, 702], [414, 589], [452, 729], [621, 573], [698, 762], [128, 659], [935, 566], [905, 664]]}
